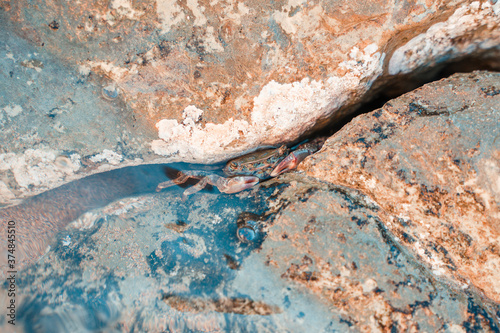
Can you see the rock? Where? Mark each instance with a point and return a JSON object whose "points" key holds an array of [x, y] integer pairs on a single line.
{"points": [[126, 83], [430, 160], [341, 252], [385, 229], [155, 264]]}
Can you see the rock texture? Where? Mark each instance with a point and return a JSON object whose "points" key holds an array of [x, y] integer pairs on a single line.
{"points": [[392, 226], [124, 82], [431, 161]]}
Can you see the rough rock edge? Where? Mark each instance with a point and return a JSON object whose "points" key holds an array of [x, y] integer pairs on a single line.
{"points": [[283, 112], [421, 234], [278, 108]]}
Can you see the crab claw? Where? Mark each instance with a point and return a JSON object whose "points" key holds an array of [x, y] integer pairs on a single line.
{"points": [[290, 162], [236, 184]]}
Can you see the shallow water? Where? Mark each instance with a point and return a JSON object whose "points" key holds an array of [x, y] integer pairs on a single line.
{"points": [[174, 265], [41, 217], [139, 261]]}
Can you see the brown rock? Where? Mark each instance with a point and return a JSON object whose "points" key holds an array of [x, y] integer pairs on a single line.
{"points": [[431, 161], [202, 81], [392, 226]]}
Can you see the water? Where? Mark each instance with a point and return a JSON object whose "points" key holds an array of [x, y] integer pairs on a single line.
{"points": [[280, 257], [173, 264]]}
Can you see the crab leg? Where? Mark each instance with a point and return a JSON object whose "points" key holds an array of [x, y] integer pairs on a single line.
{"points": [[233, 184], [290, 162], [297, 156], [225, 185], [177, 181]]}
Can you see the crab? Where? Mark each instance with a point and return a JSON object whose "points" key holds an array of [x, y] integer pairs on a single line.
{"points": [[246, 171]]}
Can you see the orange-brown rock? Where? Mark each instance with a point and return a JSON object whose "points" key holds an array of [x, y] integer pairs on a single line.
{"points": [[122, 82], [392, 226], [430, 160]]}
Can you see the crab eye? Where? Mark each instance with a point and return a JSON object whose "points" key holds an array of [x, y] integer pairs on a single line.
{"points": [[233, 165]]}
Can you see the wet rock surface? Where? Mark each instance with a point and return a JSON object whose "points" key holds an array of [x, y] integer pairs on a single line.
{"points": [[392, 226], [38, 219], [117, 83]]}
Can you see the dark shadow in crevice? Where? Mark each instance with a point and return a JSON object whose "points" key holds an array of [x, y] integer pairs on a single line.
{"points": [[388, 88]]}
